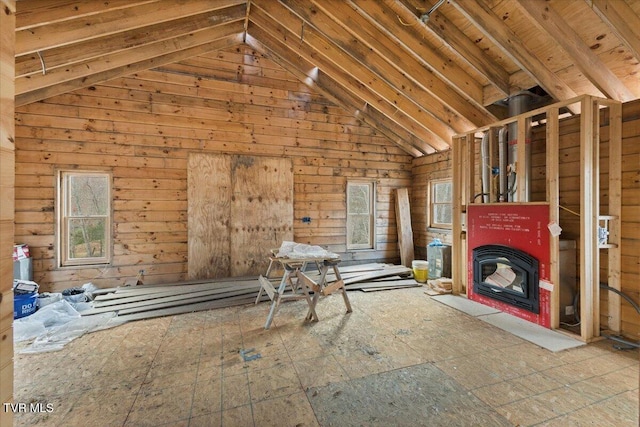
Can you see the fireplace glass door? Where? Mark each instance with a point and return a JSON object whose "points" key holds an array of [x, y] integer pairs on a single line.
{"points": [[506, 274]]}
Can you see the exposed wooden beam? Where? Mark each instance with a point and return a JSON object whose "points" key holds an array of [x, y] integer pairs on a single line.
{"points": [[246, 19], [622, 20], [493, 27], [413, 41], [331, 90], [275, 19], [584, 58], [468, 51], [95, 48], [92, 26], [119, 59], [124, 70], [375, 50], [314, 78], [334, 91], [369, 65], [34, 13]]}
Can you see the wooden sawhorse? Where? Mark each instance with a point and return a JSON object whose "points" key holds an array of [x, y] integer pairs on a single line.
{"points": [[302, 285]]}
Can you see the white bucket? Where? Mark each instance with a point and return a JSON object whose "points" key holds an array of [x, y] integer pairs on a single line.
{"points": [[420, 270]]}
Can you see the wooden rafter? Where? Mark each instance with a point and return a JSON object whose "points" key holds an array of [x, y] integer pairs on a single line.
{"points": [[585, 59], [375, 50], [122, 59], [439, 25], [411, 39], [129, 68], [95, 48], [34, 13], [88, 27], [622, 20], [333, 91], [328, 56], [493, 27], [416, 80], [274, 20]]}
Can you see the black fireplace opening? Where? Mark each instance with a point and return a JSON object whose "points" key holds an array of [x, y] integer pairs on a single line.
{"points": [[506, 274]]}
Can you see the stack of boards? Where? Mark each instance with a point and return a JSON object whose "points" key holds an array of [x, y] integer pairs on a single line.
{"points": [[371, 277], [149, 301]]}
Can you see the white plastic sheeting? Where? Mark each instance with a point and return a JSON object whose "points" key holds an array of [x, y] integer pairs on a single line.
{"points": [[58, 323], [301, 250]]}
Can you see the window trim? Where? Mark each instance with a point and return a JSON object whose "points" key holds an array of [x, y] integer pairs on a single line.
{"points": [[433, 204], [372, 216], [62, 221]]}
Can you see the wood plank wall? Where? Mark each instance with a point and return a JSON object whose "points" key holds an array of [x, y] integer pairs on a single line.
{"points": [[143, 127], [438, 166], [7, 165]]}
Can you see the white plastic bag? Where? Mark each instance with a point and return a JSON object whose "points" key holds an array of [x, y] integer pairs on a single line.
{"points": [[301, 250]]}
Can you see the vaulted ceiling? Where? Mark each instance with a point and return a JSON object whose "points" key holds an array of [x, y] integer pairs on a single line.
{"points": [[418, 71]]}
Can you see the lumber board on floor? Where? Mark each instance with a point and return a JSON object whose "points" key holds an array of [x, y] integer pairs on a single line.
{"points": [[392, 271], [166, 291], [384, 284], [149, 301], [221, 292], [175, 303], [389, 288], [189, 308], [103, 291], [388, 271], [173, 300]]}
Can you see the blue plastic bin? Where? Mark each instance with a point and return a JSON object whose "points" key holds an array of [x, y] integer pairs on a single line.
{"points": [[24, 304]]}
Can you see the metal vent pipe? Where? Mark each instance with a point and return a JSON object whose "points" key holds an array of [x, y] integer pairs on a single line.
{"points": [[518, 104]]}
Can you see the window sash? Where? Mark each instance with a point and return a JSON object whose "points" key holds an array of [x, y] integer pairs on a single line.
{"points": [[84, 236], [441, 199], [360, 215]]}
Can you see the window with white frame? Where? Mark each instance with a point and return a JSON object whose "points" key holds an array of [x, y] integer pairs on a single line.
{"points": [[84, 218], [441, 198], [360, 214]]}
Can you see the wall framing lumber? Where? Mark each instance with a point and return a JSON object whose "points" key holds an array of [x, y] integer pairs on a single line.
{"points": [[553, 198], [614, 312], [589, 170], [458, 261], [590, 191]]}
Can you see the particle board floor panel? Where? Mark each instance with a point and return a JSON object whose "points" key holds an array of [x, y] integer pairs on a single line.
{"points": [[546, 338], [400, 358]]}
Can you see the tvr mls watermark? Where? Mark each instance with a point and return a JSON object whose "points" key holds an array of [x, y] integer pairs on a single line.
{"points": [[28, 407]]}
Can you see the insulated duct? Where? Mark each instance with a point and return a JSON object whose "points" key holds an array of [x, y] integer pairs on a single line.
{"points": [[519, 104], [486, 167], [503, 154]]}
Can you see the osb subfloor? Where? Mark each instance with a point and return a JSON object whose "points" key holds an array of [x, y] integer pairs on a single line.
{"points": [[399, 359]]}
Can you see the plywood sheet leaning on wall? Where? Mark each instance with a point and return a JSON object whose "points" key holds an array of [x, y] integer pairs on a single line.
{"points": [[261, 211], [209, 207], [240, 207], [403, 220]]}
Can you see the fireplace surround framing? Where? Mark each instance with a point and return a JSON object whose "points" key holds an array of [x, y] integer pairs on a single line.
{"points": [[465, 152]]}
